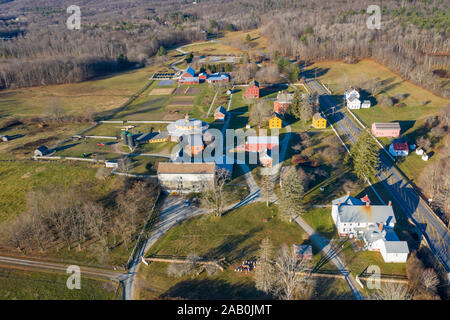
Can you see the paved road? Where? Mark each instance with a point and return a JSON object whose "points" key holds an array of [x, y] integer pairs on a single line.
{"points": [[432, 228], [37, 265], [173, 211], [324, 245]]}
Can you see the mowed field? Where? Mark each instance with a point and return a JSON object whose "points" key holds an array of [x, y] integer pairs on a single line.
{"points": [[98, 95], [212, 48], [257, 42], [236, 237]]}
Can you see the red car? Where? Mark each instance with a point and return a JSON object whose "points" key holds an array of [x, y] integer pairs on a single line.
{"points": [[101, 144]]}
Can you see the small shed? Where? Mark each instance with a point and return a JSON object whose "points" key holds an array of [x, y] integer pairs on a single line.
{"points": [[366, 104], [425, 157], [41, 151], [111, 164], [5, 138], [220, 114], [303, 251]]}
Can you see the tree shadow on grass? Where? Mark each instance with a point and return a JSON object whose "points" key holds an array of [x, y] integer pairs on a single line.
{"points": [[213, 289], [228, 248]]}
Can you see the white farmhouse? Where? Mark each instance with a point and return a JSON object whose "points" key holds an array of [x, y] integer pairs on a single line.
{"points": [[356, 218], [352, 99]]}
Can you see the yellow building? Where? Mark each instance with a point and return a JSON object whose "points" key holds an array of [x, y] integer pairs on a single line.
{"points": [[318, 121], [275, 122]]}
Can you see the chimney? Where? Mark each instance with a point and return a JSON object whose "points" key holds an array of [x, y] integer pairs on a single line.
{"points": [[380, 226], [348, 193], [339, 203], [368, 204], [390, 203]]}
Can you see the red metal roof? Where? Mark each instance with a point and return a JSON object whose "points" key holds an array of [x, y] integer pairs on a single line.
{"points": [[400, 146]]}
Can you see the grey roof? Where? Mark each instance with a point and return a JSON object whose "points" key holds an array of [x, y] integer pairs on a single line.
{"points": [[262, 139], [348, 200], [284, 97], [396, 246], [372, 233], [42, 148], [160, 135], [390, 125], [362, 213]]}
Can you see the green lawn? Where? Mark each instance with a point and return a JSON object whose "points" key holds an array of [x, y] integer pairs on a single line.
{"points": [[320, 220], [26, 285], [235, 237]]}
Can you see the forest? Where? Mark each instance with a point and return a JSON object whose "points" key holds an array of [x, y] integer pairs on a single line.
{"points": [[115, 35]]}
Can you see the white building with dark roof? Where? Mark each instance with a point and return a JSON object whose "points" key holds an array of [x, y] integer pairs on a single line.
{"points": [[357, 218], [352, 99]]}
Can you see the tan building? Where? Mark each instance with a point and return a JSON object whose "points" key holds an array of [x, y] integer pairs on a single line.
{"points": [[185, 177]]}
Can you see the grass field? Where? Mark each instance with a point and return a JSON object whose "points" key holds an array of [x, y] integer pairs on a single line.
{"points": [[26, 285], [235, 236], [257, 42], [17, 178], [98, 95], [211, 48]]}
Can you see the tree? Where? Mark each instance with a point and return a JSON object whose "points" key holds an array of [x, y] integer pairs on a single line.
{"points": [[248, 38], [296, 104], [230, 27], [260, 112], [307, 108], [392, 291], [215, 196], [266, 185], [189, 57], [162, 51], [292, 193], [429, 280], [292, 279], [293, 72], [364, 154], [264, 275]]}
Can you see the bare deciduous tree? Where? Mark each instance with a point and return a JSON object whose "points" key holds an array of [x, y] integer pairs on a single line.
{"points": [[392, 291], [215, 196]]}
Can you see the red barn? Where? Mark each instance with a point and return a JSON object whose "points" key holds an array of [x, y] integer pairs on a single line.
{"points": [[189, 73], [252, 91]]}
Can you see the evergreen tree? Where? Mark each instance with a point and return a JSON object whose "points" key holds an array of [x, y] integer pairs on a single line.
{"points": [[189, 57], [365, 156], [248, 37], [296, 104], [306, 109], [293, 73], [292, 194], [162, 51], [264, 275]]}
